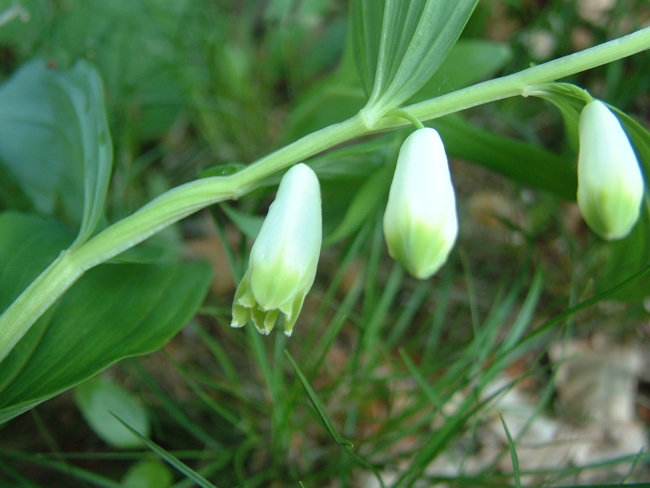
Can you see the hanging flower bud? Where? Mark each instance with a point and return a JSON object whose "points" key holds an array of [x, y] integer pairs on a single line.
{"points": [[610, 184], [283, 259], [420, 223]]}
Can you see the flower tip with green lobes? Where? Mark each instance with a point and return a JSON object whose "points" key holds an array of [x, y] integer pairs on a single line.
{"points": [[420, 222], [610, 182], [283, 260]]}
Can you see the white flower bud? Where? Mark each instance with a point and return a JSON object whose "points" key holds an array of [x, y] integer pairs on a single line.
{"points": [[284, 257], [420, 223], [610, 183]]}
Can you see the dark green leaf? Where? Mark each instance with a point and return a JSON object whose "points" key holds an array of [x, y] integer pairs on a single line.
{"points": [[525, 163], [54, 139], [114, 311], [12, 197]]}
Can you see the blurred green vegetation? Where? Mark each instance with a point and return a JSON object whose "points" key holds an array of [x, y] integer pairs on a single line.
{"points": [[386, 372]]}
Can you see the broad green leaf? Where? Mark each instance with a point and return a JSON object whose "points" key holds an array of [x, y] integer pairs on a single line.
{"points": [[148, 474], [12, 197], [100, 400], [40, 142], [401, 52], [524, 163], [114, 311], [54, 139]]}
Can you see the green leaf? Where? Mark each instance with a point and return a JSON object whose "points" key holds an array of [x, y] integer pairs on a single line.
{"points": [[100, 400], [12, 197], [114, 311], [148, 474], [399, 45], [54, 138], [87, 95], [525, 163]]}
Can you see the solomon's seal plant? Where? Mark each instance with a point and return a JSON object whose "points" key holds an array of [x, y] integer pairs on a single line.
{"points": [[398, 48], [420, 222], [283, 259], [610, 183]]}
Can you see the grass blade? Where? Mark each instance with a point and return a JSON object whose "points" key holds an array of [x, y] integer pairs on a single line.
{"points": [[173, 461], [513, 453], [327, 422]]}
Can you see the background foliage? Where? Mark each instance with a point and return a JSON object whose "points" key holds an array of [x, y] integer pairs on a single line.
{"points": [[383, 373]]}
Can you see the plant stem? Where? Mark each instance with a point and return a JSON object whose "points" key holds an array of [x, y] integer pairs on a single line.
{"points": [[519, 83]]}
